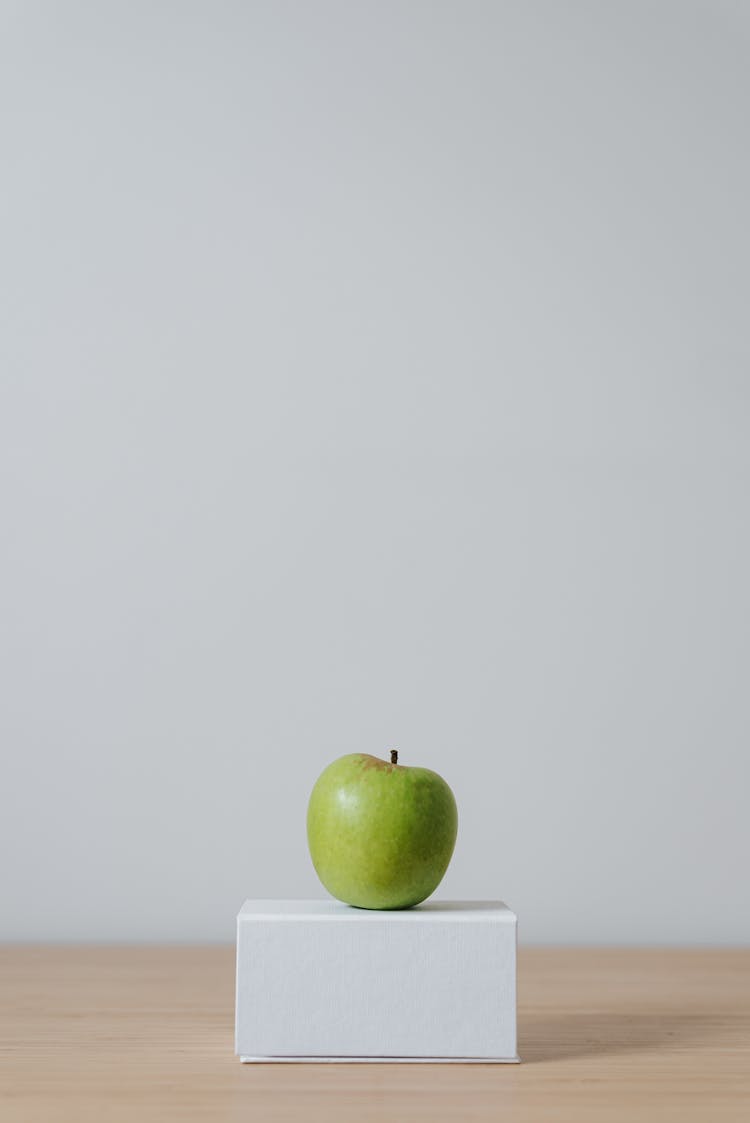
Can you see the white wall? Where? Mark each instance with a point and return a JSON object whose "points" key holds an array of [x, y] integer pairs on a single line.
{"points": [[375, 374]]}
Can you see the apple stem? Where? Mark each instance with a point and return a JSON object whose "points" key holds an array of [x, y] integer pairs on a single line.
{"points": [[394, 756]]}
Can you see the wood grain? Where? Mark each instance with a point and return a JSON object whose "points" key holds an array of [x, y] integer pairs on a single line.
{"points": [[145, 1033]]}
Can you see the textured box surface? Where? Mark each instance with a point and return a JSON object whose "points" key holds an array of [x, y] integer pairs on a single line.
{"points": [[319, 980]]}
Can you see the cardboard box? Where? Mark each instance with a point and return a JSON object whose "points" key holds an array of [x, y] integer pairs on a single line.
{"points": [[321, 981]]}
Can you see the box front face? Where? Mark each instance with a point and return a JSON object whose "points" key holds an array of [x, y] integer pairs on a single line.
{"points": [[376, 988]]}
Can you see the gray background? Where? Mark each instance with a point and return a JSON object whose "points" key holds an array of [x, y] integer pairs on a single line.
{"points": [[375, 374]]}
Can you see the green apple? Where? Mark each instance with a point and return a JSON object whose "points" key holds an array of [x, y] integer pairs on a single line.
{"points": [[381, 835]]}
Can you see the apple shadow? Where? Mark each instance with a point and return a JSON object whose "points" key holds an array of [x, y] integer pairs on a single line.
{"points": [[544, 1037]]}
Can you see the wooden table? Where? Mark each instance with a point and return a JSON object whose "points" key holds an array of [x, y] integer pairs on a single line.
{"points": [[145, 1033]]}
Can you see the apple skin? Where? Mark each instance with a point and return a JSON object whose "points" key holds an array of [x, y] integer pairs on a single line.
{"points": [[381, 835]]}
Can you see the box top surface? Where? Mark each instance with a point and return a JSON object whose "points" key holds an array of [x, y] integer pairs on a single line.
{"points": [[336, 910]]}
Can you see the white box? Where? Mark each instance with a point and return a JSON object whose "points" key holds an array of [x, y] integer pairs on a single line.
{"points": [[321, 981]]}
